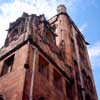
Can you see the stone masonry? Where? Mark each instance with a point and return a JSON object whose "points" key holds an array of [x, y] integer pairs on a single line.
{"points": [[45, 60]]}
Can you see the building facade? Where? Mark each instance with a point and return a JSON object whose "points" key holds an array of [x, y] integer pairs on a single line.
{"points": [[45, 60]]}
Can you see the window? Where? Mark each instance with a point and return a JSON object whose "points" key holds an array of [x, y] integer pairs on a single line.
{"points": [[57, 80], [43, 66], [26, 66], [69, 91], [41, 98], [89, 84], [84, 75], [87, 97], [45, 39], [1, 97], [62, 44], [7, 66]]}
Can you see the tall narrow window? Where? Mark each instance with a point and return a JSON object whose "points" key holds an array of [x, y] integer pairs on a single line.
{"points": [[7, 66], [43, 66], [57, 80], [69, 91]]}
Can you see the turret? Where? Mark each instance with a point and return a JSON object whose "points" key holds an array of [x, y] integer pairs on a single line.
{"points": [[61, 9], [63, 31]]}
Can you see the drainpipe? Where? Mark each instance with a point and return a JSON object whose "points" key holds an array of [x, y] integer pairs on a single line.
{"points": [[33, 73]]}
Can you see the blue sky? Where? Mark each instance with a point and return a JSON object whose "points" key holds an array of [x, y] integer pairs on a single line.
{"points": [[85, 13]]}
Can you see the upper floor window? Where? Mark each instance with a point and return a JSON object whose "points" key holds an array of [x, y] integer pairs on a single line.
{"points": [[69, 91], [7, 66], [41, 98], [87, 97], [57, 80], [43, 66], [89, 84]]}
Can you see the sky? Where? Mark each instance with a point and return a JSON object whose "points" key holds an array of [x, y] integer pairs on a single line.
{"points": [[85, 14]]}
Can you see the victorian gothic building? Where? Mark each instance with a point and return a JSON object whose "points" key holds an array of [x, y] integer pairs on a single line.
{"points": [[45, 60]]}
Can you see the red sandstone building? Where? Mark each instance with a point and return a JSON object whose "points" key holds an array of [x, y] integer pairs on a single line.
{"points": [[45, 60]]}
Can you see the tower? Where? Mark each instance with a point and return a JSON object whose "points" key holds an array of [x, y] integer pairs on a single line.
{"points": [[45, 60]]}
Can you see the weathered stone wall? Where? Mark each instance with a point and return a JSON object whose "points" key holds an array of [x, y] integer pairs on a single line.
{"points": [[12, 83], [50, 60]]}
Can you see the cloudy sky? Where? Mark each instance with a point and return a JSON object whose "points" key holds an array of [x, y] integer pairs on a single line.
{"points": [[85, 13]]}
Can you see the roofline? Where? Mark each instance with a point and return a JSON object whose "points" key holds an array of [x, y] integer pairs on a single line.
{"points": [[73, 23]]}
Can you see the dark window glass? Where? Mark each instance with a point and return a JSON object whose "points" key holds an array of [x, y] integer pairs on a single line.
{"points": [[87, 97], [26, 66], [57, 80], [41, 98], [1, 97], [7, 66], [69, 91], [43, 66]]}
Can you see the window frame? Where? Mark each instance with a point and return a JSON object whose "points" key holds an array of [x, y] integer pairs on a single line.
{"points": [[7, 66]]}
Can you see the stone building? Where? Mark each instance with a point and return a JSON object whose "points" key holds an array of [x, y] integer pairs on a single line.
{"points": [[45, 60]]}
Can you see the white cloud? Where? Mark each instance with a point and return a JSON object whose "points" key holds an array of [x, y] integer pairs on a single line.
{"points": [[94, 50], [12, 10], [83, 27], [94, 53]]}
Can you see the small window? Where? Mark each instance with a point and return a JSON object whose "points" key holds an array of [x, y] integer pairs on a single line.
{"points": [[41, 98], [69, 91], [43, 66], [72, 41], [62, 44], [1, 98], [7, 66], [26, 66], [75, 62], [72, 44], [57, 80], [87, 97], [89, 84]]}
